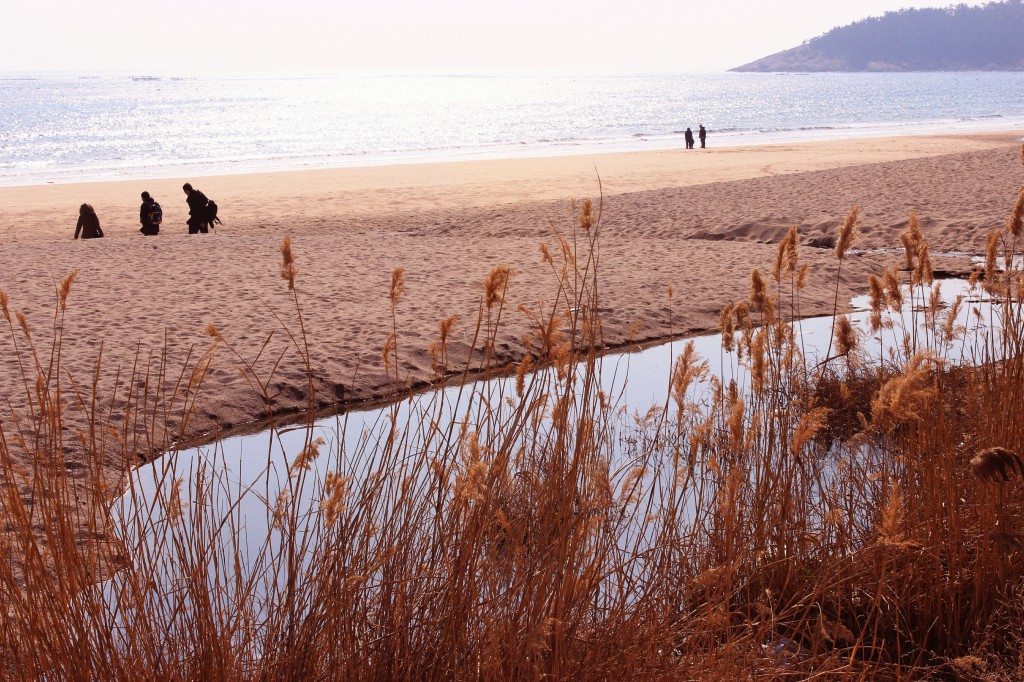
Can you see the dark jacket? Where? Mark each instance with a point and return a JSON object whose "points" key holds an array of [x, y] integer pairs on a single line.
{"points": [[196, 201], [148, 228], [89, 226]]}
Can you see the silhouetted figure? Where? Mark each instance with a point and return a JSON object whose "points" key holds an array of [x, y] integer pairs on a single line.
{"points": [[88, 223], [150, 215], [689, 138], [702, 134], [197, 214]]}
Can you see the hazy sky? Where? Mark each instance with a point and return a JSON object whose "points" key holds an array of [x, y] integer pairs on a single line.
{"points": [[214, 35]]}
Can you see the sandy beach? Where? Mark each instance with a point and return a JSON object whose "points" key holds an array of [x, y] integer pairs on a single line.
{"points": [[694, 221]]}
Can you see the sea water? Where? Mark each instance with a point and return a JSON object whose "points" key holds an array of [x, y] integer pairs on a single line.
{"points": [[74, 127]]}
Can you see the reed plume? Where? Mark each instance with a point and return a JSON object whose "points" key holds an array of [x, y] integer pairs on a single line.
{"points": [[923, 273], [712, 580], [688, 369], [992, 261], [759, 361], [524, 367], [496, 284], [911, 239], [891, 516], [909, 250], [288, 269], [834, 631], [905, 397], [335, 495], [935, 300], [23, 323], [727, 327], [792, 250], [546, 254], [586, 217], [1016, 221], [950, 329], [893, 289], [758, 290], [996, 465], [439, 348], [397, 285], [975, 277], [310, 453], [876, 298], [846, 336], [847, 232], [810, 425], [801, 279], [786, 255], [65, 289]]}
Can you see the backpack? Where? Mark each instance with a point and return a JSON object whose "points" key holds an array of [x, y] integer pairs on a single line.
{"points": [[211, 213], [156, 215]]}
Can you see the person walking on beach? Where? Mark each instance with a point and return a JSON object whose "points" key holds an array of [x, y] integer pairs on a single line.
{"points": [[197, 214], [702, 134], [150, 215], [88, 223], [689, 138]]}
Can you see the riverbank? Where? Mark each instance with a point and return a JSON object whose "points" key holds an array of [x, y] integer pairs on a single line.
{"points": [[695, 222]]}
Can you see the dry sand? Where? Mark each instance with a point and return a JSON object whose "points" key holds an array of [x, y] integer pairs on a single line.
{"points": [[696, 221]]}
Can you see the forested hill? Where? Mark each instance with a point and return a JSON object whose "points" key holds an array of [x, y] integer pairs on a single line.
{"points": [[957, 38]]}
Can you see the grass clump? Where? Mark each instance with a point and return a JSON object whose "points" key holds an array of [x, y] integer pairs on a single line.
{"points": [[845, 516]]}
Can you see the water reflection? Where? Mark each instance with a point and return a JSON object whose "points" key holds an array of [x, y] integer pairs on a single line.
{"points": [[241, 481]]}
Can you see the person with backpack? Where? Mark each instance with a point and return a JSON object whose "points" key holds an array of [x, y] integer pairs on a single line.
{"points": [[150, 215], [88, 223], [198, 213]]}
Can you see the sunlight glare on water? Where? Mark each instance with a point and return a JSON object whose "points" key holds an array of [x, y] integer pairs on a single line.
{"points": [[73, 127]]}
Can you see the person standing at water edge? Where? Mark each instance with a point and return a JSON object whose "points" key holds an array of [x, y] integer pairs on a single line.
{"points": [[688, 136], [150, 216], [88, 223], [196, 201], [702, 134]]}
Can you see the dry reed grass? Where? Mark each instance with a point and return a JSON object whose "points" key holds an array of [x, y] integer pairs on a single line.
{"points": [[828, 522]]}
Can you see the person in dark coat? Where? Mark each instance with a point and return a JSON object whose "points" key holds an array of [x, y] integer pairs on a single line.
{"points": [[689, 138], [88, 223], [702, 134], [146, 211], [197, 215]]}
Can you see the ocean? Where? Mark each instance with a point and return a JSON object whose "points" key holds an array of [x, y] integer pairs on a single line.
{"points": [[74, 127]]}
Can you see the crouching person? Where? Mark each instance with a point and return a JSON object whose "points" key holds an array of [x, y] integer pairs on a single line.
{"points": [[150, 215]]}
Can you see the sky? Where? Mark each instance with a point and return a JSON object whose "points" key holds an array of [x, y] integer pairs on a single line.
{"points": [[189, 36]]}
